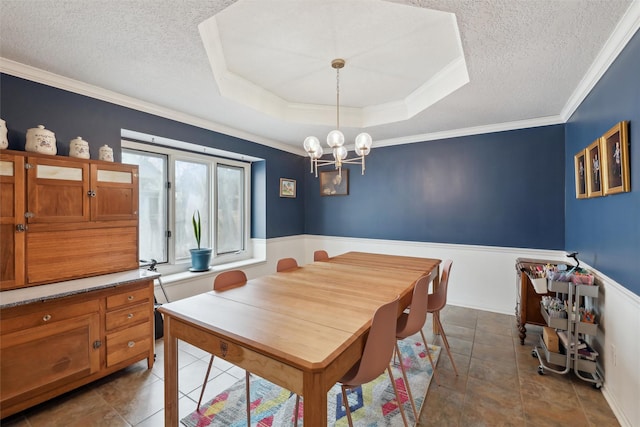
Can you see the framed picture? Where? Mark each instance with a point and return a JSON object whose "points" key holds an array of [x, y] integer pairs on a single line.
{"points": [[581, 178], [334, 183], [615, 159], [594, 171], [287, 187]]}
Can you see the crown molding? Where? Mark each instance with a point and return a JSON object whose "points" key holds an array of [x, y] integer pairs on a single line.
{"points": [[475, 130], [37, 75], [624, 31]]}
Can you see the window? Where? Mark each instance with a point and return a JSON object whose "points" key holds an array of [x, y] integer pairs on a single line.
{"points": [[173, 185]]}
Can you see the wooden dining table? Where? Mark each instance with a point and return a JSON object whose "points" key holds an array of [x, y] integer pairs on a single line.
{"points": [[301, 329]]}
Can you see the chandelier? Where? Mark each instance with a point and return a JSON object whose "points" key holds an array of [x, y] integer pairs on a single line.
{"points": [[335, 139]]}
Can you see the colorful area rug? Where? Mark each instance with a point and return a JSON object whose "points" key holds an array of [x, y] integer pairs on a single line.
{"points": [[372, 405]]}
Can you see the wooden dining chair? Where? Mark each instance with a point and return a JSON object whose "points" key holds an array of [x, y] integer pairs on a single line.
{"points": [[375, 359], [224, 281], [286, 264], [412, 322], [436, 302], [320, 255]]}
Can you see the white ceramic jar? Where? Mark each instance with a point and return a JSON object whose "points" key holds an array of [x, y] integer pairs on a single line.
{"points": [[4, 141], [79, 148], [41, 140], [105, 153]]}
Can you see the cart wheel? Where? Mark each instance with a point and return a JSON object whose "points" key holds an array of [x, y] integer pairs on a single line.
{"points": [[540, 370], [534, 353], [597, 386]]}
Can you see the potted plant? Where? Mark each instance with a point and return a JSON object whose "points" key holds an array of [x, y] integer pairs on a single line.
{"points": [[200, 257]]}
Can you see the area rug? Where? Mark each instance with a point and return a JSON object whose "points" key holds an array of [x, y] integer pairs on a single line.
{"points": [[372, 405]]}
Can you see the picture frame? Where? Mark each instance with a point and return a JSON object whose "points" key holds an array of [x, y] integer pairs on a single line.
{"points": [[593, 156], [615, 156], [579, 161], [288, 188], [334, 183]]}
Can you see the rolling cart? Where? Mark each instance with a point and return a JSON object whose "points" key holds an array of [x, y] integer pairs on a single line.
{"points": [[583, 363]]}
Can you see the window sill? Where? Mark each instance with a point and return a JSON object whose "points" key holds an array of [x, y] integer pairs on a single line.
{"points": [[213, 270]]}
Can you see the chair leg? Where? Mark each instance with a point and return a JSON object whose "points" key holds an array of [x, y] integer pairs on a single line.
{"points": [[204, 384], [345, 402], [400, 405], [406, 383], [433, 366], [248, 393], [295, 412], [436, 317]]}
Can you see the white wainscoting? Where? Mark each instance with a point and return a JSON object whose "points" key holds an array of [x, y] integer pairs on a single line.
{"points": [[482, 277]]}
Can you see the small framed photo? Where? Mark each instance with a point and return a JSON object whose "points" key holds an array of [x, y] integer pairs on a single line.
{"points": [[334, 183], [581, 177], [287, 188], [615, 159], [594, 170]]}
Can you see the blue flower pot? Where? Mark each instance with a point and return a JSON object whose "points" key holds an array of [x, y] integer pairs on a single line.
{"points": [[200, 259]]}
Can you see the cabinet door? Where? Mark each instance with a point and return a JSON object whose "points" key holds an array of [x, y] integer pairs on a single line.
{"points": [[57, 190], [114, 191], [12, 222], [39, 359]]}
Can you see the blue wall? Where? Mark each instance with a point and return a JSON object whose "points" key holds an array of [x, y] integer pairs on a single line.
{"points": [[25, 104], [500, 189], [606, 230]]}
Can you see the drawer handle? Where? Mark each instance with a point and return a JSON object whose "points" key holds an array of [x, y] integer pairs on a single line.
{"points": [[130, 344], [46, 317], [130, 316], [130, 297]]}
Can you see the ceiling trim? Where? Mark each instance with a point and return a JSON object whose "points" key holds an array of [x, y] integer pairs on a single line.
{"points": [[624, 31], [475, 130], [37, 75]]}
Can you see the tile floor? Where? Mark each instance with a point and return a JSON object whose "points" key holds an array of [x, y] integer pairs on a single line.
{"points": [[498, 385]]}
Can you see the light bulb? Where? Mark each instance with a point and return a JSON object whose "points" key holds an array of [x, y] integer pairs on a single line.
{"points": [[363, 140], [335, 138], [340, 153], [317, 153], [311, 143]]}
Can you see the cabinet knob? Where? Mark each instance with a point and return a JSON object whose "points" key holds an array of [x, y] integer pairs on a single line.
{"points": [[130, 344], [130, 297], [130, 316], [91, 193], [20, 228], [46, 317]]}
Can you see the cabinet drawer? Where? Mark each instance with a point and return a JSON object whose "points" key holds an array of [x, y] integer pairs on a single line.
{"points": [[128, 316], [133, 296], [32, 315], [128, 343]]}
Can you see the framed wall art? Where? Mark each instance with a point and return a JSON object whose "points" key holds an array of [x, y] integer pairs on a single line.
{"points": [[287, 187], [615, 159], [334, 183], [594, 170], [581, 177]]}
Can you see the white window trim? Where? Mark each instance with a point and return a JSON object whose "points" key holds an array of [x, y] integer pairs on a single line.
{"points": [[174, 266]]}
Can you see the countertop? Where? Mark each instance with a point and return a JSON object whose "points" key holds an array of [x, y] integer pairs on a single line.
{"points": [[41, 293]]}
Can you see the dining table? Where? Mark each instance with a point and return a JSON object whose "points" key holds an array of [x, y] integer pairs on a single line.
{"points": [[301, 329]]}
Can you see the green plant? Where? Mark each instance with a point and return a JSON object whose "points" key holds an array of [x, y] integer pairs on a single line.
{"points": [[197, 227]]}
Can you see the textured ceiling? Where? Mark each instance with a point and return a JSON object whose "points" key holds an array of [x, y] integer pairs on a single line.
{"points": [[525, 59]]}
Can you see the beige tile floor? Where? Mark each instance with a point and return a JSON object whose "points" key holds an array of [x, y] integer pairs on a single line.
{"points": [[498, 385]]}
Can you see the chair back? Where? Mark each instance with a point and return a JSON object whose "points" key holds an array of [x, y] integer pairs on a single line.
{"points": [[411, 323], [438, 299], [228, 279], [320, 255], [378, 349], [286, 264]]}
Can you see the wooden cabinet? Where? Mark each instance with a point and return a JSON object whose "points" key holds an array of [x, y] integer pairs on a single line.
{"points": [[528, 300], [12, 222], [48, 348], [80, 218]]}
